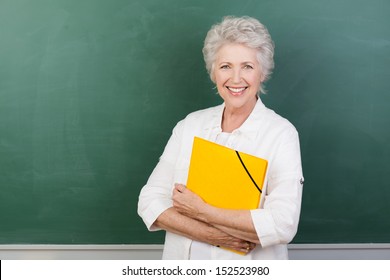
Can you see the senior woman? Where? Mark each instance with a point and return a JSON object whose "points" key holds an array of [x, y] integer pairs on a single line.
{"points": [[238, 53]]}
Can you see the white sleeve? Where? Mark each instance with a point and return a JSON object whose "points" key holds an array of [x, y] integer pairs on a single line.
{"points": [[277, 221], [156, 195]]}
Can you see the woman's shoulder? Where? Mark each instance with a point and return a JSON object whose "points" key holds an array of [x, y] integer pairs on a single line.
{"points": [[200, 119], [202, 116], [277, 118], [205, 113], [277, 122]]}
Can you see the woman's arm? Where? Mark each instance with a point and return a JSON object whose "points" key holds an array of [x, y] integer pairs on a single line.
{"points": [[155, 204], [237, 223], [155, 207], [171, 220]]}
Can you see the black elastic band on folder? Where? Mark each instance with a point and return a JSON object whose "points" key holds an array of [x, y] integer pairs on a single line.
{"points": [[247, 172]]}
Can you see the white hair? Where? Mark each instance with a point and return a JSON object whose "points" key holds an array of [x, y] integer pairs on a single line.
{"points": [[245, 30]]}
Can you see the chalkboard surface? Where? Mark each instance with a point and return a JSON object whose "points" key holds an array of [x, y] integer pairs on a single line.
{"points": [[90, 91]]}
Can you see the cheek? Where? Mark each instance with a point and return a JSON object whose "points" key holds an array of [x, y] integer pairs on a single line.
{"points": [[220, 79], [254, 79], [221, 89]]}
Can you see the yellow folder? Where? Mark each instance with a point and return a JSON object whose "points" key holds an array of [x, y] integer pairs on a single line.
{"points": [[225, 178]]}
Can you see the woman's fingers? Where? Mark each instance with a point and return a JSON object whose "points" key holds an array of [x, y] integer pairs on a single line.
{"points": [[179, 187], [228, 241]]}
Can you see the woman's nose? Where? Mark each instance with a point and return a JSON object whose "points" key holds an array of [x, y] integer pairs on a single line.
{"points": [[236, 77]]}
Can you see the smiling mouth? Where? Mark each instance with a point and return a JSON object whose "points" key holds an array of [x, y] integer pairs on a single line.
{"points": [[237, 91]]}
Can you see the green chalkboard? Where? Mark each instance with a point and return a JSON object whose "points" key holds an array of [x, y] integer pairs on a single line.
{"points": [[90, 91]]}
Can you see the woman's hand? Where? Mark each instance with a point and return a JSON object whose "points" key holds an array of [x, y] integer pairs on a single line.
{"points": [[225, 240], [191, 205], [188, 203]]}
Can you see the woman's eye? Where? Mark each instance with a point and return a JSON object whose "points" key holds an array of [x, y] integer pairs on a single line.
{"points": [[248, 66], [225, 67]]}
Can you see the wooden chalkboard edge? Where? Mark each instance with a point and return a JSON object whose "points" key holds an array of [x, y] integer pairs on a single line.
{"points": [[81, 247], [361, 251]]}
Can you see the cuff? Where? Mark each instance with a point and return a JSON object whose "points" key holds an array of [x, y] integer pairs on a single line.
{"points": [[265, 228]]}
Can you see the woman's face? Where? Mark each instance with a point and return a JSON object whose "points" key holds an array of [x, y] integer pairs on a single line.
{"points": [[237, 74]]}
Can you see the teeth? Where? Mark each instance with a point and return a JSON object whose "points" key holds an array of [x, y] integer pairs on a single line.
{"points": [[236, 89]]}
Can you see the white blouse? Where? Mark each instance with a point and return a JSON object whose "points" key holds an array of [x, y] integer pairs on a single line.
{"points": [[264, 134]]}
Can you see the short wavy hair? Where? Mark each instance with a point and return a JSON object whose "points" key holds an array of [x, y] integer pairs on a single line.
{"points": [[240, 30]]}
